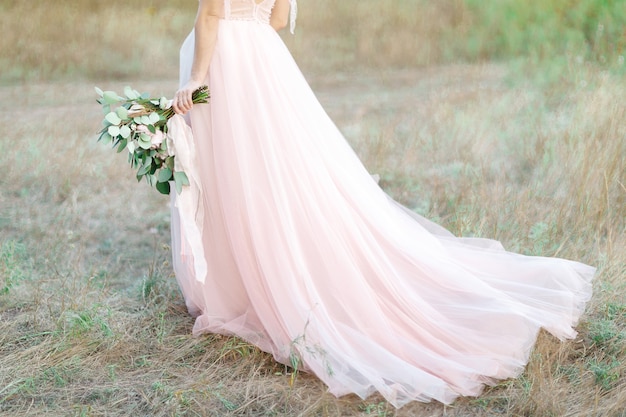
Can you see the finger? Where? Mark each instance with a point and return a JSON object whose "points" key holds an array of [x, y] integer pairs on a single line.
{"points": [[179, 107]]}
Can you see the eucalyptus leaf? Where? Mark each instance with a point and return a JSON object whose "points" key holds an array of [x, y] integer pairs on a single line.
{"points": [[165, 174], [163, 103], [114, 131], [110, 97], [130, 93], [143, 170], [125, 132], [122, 145], [145, 120], [178, 185], [137, 120], [169, 162], [99, 92], [154, 117], [144, 145], [106, 138], [180, 179], [122, 112], [113, 118], [163, 187], [131, 146]]}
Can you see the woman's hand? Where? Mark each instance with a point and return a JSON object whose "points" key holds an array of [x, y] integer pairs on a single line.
{"points": [[182, 102]]}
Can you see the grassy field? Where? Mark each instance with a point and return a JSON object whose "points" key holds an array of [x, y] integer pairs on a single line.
{"points": [[471, 115]]}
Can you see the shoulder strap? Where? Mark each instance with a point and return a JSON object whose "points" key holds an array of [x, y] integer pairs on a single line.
{"points": [[293, 15]]}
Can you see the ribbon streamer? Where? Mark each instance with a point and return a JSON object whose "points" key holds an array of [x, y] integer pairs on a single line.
{"points": [[293, 15], [189, 201]]}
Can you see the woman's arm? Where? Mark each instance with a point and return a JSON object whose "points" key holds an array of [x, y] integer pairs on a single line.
{"points": [[207, 22], [280, 14]]}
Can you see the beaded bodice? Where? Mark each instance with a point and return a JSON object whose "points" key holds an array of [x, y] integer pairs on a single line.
{"points": [[259, 10], [249, 10]]}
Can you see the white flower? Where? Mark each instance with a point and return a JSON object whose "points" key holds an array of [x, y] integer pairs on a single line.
{"points": [[157, 138]]}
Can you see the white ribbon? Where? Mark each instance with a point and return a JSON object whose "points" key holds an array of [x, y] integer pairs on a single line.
{"points": [[189, 201], [227, 9], [293, 15]]}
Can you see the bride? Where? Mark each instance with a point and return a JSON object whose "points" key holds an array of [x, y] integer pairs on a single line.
{"points": [[295, 248]]}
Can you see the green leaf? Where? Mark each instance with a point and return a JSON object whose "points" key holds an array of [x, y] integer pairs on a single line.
{"points": [[163, 187], [169, 162], [165, 174], [152, 129], [122, 145], [125, 131], [110, 97], [145, 168], [180, 179], [131, 146], [154, 117], [114, 131], [122, 112], [106, 138], [113, 118], [145, 120], [99, 92], [130, 93]]}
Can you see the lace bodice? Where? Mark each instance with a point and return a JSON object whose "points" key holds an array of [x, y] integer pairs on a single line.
{"points": [[255, 10]]}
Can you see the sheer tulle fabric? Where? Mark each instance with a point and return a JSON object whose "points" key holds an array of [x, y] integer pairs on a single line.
{"points": [[307, 257]]}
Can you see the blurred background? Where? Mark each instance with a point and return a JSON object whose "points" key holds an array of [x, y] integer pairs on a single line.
{"points": [[97, 40]]}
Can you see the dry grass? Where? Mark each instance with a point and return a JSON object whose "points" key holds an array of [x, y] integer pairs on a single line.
{"points": [[91, 321]]}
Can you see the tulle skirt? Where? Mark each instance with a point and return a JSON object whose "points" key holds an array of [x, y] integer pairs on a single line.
{"points": [[308, 259]]}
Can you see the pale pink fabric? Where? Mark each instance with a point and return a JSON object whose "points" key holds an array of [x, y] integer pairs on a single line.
{"points": [[307, 257], [189, 204]]}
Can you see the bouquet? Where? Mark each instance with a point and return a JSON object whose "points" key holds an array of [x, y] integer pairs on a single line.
{"points": [[139, 123]]}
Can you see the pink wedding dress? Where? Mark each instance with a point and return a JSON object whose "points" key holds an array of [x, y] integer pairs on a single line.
{"points": [[302, 254]]}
